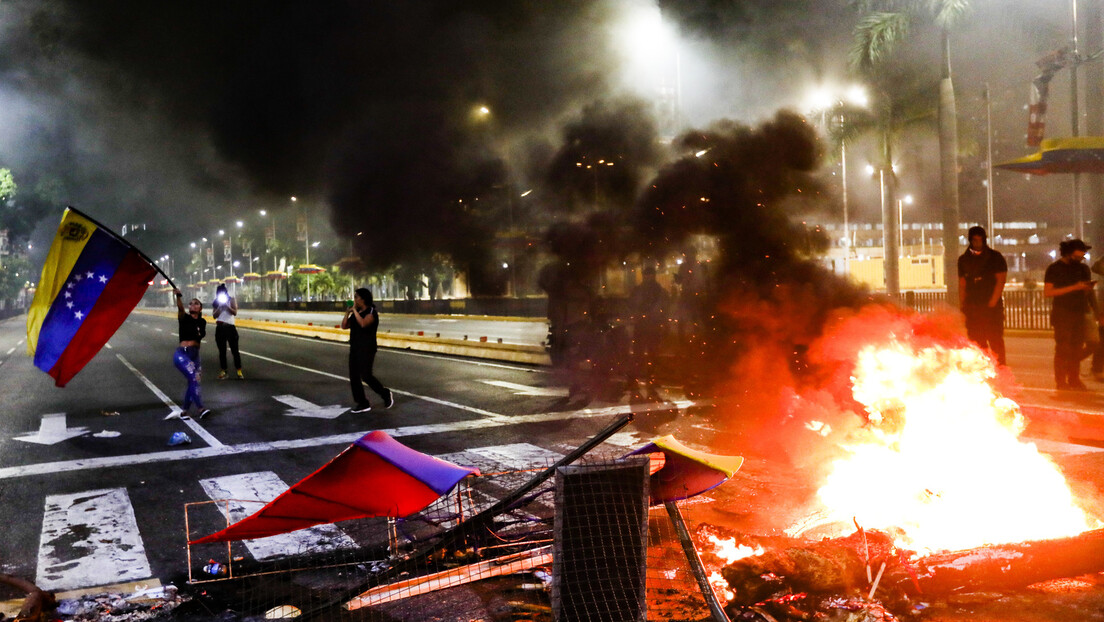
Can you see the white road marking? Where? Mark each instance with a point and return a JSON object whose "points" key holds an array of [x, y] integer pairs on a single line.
{"points": [[260, 488], [302, 408], [173, 408], [630, 440], [479, 411], [53, 429], [518, 455], [524, 389], [1058, 447], [47, 468], [10, 350], [90, 538]]}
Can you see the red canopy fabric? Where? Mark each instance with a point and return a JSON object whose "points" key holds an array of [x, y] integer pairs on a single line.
{"points": [[375, 476]]}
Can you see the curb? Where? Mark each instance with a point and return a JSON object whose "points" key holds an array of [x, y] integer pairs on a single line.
{"points": [[513, 353]]}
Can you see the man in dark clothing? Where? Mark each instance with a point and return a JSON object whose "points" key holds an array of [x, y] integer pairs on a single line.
{"points": [[649, 303], [1069, 284], [362, 321], [981, 275]]}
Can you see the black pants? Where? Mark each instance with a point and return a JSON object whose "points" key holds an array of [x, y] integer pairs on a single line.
{"points": [[985, 327], [360, 368], [1069, 348], [227, 334]]}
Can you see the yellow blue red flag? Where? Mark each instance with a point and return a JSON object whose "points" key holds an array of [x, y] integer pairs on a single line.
{"points": [[90, 283]]}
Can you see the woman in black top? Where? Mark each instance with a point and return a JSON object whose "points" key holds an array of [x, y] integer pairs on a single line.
{"points": [[362, 321], [193, 328]]}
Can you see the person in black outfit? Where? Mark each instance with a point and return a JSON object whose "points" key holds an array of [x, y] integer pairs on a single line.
{"points": [[1069, 284], [981, 275], [649, 303], [362, 321]]}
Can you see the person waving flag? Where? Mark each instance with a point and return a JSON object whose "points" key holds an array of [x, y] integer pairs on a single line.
{"points": [[91, 281]]}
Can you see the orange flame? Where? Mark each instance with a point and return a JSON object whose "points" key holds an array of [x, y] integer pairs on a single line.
{"points": [[941, 458]]}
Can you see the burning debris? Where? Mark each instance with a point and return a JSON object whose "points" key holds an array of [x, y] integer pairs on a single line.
{"points": [[925, 491]]}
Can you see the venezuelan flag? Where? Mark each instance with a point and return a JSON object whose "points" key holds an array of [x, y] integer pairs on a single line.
{"points": [[90, 283]]}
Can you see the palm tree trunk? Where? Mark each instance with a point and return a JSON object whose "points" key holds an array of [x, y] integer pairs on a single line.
{"points": [[890, 218], [948, 164]]}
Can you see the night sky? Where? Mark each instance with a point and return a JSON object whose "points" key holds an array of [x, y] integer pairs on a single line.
{"points": [[186, 116]]}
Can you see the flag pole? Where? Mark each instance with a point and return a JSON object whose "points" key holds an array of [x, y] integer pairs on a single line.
{"points": [[121, 239]]}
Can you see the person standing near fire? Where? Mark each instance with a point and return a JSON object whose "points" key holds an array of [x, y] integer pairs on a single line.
{"points": [[982, 272], [1068, 282], [649, 304]]}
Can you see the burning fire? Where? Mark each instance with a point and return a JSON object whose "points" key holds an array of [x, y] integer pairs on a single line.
{"points": [[941, 460]]}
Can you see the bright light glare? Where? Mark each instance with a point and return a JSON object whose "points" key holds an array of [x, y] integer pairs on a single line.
{"points": [[820, 99], [648, 47], [857, 95], [869, 169], [908, 199], [264, 213], [239, 224]]}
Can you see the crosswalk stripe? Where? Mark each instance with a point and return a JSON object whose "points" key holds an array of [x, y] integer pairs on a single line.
{"points": [[90, 538], [262, 487]]}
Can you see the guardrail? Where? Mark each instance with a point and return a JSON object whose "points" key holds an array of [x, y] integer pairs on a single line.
{"points": [[1023, 309]]}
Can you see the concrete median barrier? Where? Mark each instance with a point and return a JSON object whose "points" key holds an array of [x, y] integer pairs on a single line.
{"points": [[483, 349]]}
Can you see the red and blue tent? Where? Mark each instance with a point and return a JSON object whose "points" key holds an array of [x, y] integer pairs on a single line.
{"points": [[375, 476]]}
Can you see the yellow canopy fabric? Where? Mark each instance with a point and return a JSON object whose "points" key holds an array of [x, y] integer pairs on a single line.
{"points": [[1077, 154]]}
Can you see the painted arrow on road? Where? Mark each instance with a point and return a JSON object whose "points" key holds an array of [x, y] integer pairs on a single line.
{"points": [[524, 389], [302, 408], [52, 430]]}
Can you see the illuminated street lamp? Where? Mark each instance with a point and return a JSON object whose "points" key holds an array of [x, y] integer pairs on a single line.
{"points": [[823, 99], [907, 200]]}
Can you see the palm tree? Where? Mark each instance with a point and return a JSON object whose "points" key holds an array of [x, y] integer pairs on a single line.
{"points": [[883, 26], [903, 101]]}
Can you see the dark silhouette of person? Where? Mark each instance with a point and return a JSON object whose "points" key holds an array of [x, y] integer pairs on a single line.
{"points": [[362, 321], [650, 305], [1069, 284], [982, 272]]}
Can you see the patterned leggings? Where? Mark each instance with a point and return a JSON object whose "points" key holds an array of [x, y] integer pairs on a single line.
{"points": [[187, 361]]}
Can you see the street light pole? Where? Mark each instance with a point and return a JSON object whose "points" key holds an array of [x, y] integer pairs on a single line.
{"points": [[1075, 129]]}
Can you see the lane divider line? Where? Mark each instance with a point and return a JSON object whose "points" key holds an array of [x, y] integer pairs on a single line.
{"points": [[191, 423], [478, 411]]}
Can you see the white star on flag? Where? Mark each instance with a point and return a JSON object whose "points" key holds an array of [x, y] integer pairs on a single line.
{"points": [[103, 278], [68, 295], [69, 304], [91, 274], [77, 277], [79, 315]]}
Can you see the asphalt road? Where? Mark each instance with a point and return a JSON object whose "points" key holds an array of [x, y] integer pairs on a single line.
{"points": [[104, 437]]}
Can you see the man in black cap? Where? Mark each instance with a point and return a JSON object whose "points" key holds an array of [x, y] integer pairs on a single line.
{"points": [[981, 275], [1069, 284]]}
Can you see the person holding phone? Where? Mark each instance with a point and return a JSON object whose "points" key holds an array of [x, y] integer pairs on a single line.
{"points": [[225, 309], [1068, 283], [362, 321]]}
